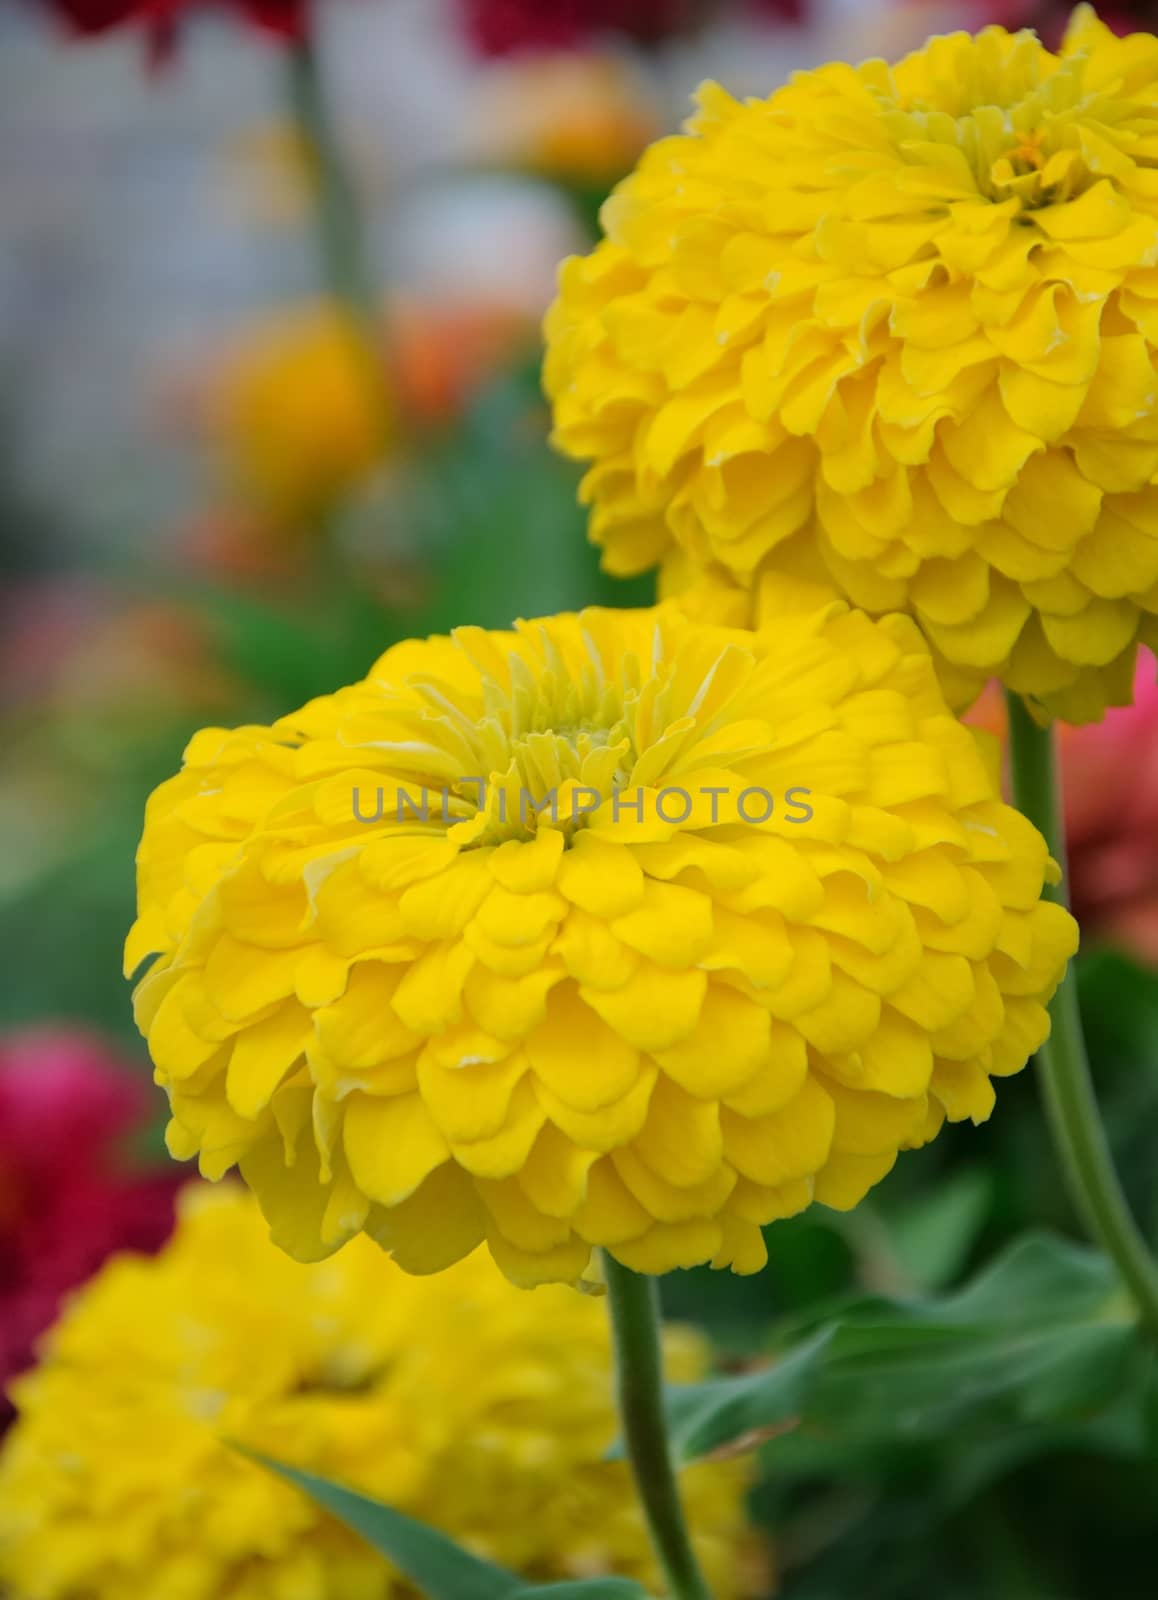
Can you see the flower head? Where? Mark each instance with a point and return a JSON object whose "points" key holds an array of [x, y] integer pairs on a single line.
{"points": [[613, 930], [892, 333], [606, 932], [300, 412], [296, 412], [65, 1203], [456, 1399], [281, 19]]}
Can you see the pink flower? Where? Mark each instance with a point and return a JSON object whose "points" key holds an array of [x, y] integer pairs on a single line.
{"points": [[66, 1201], [1110, 778], [1110, 790]]}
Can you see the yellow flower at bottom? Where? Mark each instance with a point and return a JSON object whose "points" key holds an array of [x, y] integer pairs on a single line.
{"points": [[613, 930], [892, 333], [458, 1400]]}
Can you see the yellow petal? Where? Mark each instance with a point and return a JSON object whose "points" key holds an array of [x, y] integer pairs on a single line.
{"points": [[577, 1057], [469, 1101], [731, 1040], [654, 1009], [262, 1056], [681, 1140], [391, 1145], [555, 1175], [791, 1143], [442, 1221]]}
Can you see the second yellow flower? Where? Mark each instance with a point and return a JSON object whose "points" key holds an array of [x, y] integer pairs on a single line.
{"points": [[892, 334], [613, 930]]}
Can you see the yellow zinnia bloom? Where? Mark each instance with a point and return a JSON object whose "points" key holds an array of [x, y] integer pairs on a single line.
{"points": [[297, 414], [458, 1400], [892, 333], [614, 930]]}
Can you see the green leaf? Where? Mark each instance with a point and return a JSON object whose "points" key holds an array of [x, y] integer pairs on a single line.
{"points": [[585, 1589], [442, 1569], [1043, 1334], [433, 1562], [704, 1416], [933, 1236], [1037, 1278]]}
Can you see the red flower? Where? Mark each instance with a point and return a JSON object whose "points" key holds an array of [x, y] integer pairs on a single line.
{"points": [[65, 1204], [501, 27], [284, 19]]}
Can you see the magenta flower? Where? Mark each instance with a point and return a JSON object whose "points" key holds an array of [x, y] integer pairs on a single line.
{"points": [[1110, 776], [67, 1198]]}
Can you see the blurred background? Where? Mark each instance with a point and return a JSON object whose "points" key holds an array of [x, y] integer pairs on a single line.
{"points": [[237, 462]]}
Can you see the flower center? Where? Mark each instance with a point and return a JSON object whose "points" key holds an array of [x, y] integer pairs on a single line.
{"points": [[541, 737], [1027, 153], [535, 774], [1019, 115]]}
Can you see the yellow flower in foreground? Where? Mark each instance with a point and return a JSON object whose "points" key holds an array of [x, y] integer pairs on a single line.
{"points": [[734, 919], [458, 1400], [296, 413], [892, 333]]}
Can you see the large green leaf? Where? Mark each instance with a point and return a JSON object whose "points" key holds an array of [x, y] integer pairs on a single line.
{"points": [[433, 1562], [442, 1569], [585, 1589], [932, 1237], [1044, 1334]]}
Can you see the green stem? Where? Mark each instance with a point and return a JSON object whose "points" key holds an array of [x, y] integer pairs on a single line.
{"points": [[1067, 1087], [338, 214], [635, 1321], [341, 235]]}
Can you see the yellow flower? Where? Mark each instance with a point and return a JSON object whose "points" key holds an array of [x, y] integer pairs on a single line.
{"points": [[297, 414], [575, 117], [892, 333], [457, 1400], [773, 926]]}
